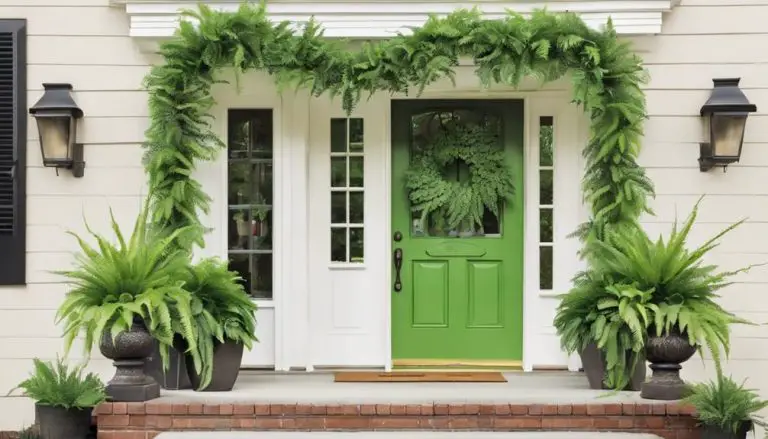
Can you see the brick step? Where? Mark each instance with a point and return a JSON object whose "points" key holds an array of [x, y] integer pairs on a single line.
{"points": [[402, 435], [149, 420]]}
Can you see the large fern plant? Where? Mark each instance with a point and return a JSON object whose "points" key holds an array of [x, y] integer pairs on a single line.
{"points": [[222, 312], [115, 284], [59, 385], [725, 404], [680, 293]]}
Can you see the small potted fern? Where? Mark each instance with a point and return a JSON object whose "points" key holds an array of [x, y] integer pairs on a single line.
{"points": [[725, 408], [64, 399], [121, 293], [224, 322], [604, 322]]}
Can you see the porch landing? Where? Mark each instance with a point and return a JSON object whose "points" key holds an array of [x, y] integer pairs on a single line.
{"points": [[538, 401]]}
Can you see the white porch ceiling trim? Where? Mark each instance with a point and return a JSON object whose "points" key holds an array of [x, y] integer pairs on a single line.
{"points": [[158, 19]]}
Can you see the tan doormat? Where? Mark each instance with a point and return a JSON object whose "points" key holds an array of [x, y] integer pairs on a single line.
{"points": [[423, 377]]}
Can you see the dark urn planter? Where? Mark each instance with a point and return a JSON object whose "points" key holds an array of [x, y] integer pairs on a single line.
{"points": [[176, 377], [593, 362], [61, 423], [665, 353], [227, 358], [128, 353], [713, 432]]}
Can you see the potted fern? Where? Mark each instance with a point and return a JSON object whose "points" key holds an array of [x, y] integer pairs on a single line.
{"points": [[121, 293], [64, 399], [224, 322], [725, 408], [675, 315], [604, 322]]}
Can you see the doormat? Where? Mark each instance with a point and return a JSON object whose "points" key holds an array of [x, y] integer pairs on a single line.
{"points": [[423, 377]]}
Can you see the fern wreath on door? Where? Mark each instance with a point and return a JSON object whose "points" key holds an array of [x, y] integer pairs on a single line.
{"points": [[438, 190]]}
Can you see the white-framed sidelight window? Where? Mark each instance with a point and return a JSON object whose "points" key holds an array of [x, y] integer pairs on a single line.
{"points": [[250, 160]]}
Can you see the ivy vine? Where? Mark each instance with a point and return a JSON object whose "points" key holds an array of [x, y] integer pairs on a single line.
{"points": [[606, 78]]}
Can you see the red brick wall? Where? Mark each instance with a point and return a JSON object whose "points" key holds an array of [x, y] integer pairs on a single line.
{"points": [[147, 420]]}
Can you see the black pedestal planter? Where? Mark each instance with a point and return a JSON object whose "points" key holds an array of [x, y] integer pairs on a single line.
{"points": [[593, 362], [665, 353], [176, 377], [227, 358], [129, 352], [712, 432], [61, 423]]}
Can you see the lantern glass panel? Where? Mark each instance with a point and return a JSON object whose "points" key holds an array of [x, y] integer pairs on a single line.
{"points": [[727, 134], [54, 139]]}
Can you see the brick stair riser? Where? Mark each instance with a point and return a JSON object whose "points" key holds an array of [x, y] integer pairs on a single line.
{"points": [[147, 420]]}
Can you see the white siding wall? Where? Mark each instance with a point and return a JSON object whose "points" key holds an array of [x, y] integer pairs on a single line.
{"points": [[83, 42], [701, 40]]}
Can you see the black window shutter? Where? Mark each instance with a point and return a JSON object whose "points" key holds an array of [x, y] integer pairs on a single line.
{"points": [[13, 148]]}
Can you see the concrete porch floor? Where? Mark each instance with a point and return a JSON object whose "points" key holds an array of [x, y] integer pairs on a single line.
{"points": [[319, 388]]}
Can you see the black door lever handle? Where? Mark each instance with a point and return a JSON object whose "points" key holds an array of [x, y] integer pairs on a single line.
{"points": [[398, 266]]}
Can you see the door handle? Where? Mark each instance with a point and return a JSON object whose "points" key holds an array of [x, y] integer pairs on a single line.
{"points": [[398, 265]]}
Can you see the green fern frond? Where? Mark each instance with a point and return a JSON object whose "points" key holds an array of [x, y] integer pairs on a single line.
{"points": [[60, 385], [724, 403]]}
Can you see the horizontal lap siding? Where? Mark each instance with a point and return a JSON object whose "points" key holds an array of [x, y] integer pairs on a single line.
{"points": [[85, 43], [705, 39]]}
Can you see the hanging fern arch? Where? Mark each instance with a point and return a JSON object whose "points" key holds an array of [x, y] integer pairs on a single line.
{"points": [[607, 78]]}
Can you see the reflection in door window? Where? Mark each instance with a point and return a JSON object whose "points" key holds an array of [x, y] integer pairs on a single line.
{"points": [[347, 185], [250, 155], [430, 132], [546, 201]]}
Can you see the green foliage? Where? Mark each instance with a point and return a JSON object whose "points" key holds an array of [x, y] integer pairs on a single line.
{"points": [[614, 316], [58, 385], [724, 403], [434, 188], [29, 433], [221, 309], [115, 284], [607, 77], [656, 286]]}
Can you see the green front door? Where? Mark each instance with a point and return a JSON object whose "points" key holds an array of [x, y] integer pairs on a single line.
{"points": [[460, 296]]}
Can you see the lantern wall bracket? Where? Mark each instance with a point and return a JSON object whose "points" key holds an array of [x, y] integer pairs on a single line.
{"points": [[705, 163], [78, 162]]}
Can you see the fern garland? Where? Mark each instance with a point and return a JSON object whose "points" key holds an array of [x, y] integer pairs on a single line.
{"points": [[607, 77], [435, 190]]}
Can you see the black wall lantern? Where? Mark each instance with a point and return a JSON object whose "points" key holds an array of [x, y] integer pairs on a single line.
{"points": [[725, 116], [57, 114]]}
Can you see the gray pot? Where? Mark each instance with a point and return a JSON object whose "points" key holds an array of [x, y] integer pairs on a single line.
{"points": [[227, 358], [712, 432], [593, 362], [61, 423], [176, 377]]}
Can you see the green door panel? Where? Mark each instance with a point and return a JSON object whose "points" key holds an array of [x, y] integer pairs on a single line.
{"points": [[461, 296]]}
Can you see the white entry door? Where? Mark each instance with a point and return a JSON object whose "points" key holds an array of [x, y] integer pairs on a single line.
{"points": [[348, 227]]}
